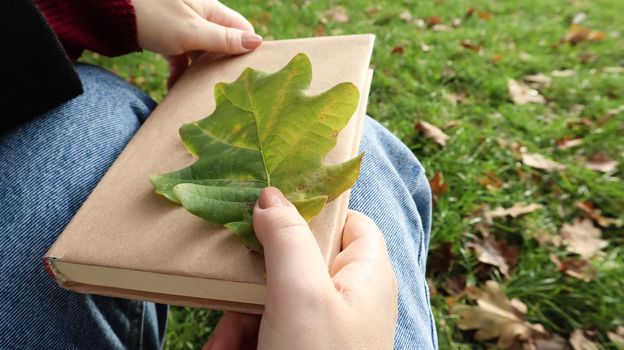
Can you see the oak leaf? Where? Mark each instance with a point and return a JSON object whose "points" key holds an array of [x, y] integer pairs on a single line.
{"points": [[495, 316], [602, 163], [521, 94], [515, 210], [264, 132], [538, 161], [495, 252], [596, 214], [433, 132], [582, 238], [579, 341]]}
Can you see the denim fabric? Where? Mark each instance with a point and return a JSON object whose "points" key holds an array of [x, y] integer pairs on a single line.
{"points": [[49, 166], [47, 169], [393, 191]]}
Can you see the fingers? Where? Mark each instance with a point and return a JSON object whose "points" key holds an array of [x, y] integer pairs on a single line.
{"points": [[292, 256], [364, 259], [212, 37], [234, 331]]}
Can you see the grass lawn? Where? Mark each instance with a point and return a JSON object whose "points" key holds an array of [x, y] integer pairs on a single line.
{"points": [[427, 74]]}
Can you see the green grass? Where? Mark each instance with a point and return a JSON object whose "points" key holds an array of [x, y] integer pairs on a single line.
{"points": [[416, 85]]}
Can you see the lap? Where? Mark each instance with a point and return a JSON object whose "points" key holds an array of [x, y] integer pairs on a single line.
{"points": [[393, 191], [48, 167]]}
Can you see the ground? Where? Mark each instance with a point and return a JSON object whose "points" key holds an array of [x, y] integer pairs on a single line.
{"points": [[449, 63]]}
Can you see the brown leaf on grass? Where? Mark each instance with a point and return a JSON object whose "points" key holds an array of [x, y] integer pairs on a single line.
{"points": [[595, 214], [433, 132], [456, 22], [617, 337], [515, 210], [398, 50], [440, 259], [497, 58], [491, 181], [485, 15], [440, 28], [537, 79], [521, 94], [496, 253], [495, 316], [579, 341], [554, 342], [578, 34], [567, 142], [613, 70], [319, 30], [581, 269], [438, 187], [538, 161], [587, 57], [470, 11], [337, 14], [565, 73], [406, 16], [602, 163], [455, 285], [583, 238], [467, 44], [433, 21]]}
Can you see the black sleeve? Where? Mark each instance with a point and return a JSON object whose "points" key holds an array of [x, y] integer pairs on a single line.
{"points": [[35, 72]]}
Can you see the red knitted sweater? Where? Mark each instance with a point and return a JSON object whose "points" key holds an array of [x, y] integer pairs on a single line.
{"points": [[104, 26]]}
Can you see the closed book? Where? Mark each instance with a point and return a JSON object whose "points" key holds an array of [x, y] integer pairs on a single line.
{"points": [[126, 241]]}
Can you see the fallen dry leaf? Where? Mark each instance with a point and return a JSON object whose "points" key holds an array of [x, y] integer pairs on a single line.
{"points": [[440, 258], [496, 253], [497, 58], [438, 187], [495, 316], [581, 269], [538, 161], [470, 11], [398, 50], [433, 21], [537, 79], [565, 73], [467, 44], [577, 34], [425, 47], [433, 132], [515, 210], [613, 70], [521, 94], [485, 15], [554, 342], [568, 142], [582, 237], [580, 342], [595, 214], [491, 181], [455, 285], [456, 22], [617, 337], [405, 16], [602, 163], [336, 14], [440, 28]]}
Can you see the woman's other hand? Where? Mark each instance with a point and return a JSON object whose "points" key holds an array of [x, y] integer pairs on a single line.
{"points": [[353, 305], [177, 28]]}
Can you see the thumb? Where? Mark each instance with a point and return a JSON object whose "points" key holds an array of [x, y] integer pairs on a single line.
{"points": [[212, 37], [292, 256]]}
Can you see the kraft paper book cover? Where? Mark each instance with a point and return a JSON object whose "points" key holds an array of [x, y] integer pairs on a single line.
{"points": [[126, 241]]}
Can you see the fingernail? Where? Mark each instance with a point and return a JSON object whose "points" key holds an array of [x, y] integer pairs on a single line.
{"points": [[271, 197], [250, 40]]}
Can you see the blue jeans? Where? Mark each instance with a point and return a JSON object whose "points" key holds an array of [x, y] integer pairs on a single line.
{"points": [[50, 165]]}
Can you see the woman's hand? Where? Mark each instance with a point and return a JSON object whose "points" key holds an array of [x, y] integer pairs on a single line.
{"points": [[351, 306], [177, 28]]}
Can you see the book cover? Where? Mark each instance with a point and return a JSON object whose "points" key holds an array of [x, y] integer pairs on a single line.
{"points": [[126, 241]]}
